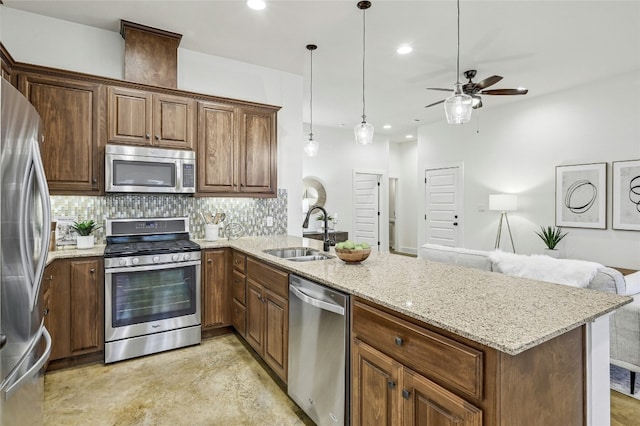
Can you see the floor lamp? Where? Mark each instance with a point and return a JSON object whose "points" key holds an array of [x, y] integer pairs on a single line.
{"points": [[503, 203]]}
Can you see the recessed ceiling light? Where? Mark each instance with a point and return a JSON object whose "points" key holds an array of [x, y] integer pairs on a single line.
{"points": [[256, 4], [409, 136], [386, 126], [404, 49]]}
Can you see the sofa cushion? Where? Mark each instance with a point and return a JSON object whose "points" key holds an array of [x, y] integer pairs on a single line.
{"points": [[632, 282], [459, 256]]}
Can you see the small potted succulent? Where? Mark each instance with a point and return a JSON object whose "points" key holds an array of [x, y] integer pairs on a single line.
{"points": [[85, 239], [320, 218], [551, 236]]}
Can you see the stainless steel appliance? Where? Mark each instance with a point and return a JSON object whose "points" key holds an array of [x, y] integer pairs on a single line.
{"points": [[24, 234], [144, 169], [318, 351], [152, 287]]}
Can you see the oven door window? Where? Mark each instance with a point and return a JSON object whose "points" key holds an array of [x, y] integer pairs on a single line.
{"points": [[146, 296], [144, 173]]}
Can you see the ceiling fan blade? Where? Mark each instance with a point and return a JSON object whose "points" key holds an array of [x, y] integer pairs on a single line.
{"points": [[505, 92], [489, 81], [438, 88], [435, 103]]}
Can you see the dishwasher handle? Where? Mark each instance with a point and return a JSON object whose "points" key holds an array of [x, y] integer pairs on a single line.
{"points": [[316, 302]]}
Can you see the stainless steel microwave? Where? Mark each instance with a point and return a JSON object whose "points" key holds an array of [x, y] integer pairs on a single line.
{"points": [[155, 170]]}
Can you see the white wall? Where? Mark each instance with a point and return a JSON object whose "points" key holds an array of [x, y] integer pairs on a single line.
{"points": [[41, 40], [338, 157], [403, 165], [516, 151]]}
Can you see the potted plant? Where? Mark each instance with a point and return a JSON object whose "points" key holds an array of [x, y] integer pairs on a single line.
{"points": [[551, 236], [320, 218], [85, 239]]}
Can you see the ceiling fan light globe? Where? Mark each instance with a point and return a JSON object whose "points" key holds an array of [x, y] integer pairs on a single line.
{"points": [[458, 107], [311, 147], [364, 133]]}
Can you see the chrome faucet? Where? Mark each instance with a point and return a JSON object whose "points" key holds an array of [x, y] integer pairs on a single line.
{"points": [[305, 225]]}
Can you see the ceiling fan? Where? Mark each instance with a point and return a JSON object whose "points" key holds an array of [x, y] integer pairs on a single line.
{"points": [[476, 89]]}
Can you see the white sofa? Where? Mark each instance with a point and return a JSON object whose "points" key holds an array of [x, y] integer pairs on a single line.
{"points": [[624, 324]]}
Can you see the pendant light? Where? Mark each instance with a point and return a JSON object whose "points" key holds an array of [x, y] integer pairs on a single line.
{"points": [[311, 146], [458, 106], [364, 130]]}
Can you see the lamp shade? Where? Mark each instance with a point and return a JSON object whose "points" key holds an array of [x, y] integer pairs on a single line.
{"points": [[503, 202], [364, 133]]}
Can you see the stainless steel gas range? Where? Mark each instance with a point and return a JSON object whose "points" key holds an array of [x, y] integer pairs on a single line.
{"points": [[152, 287]]}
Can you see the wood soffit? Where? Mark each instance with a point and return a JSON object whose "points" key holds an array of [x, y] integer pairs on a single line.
{"points": [[124, 25]]}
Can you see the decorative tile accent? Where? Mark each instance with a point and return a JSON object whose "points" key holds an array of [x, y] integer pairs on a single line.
{"points": [[250, 212]]}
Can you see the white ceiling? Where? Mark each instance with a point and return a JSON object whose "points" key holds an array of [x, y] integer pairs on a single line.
{"points": [[545, 46]]}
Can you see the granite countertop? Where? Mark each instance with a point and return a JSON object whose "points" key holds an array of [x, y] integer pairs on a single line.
{"points": [[506, 313]]}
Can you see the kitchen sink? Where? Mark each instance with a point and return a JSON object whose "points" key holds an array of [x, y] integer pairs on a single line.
{"points": [[298, 254]]}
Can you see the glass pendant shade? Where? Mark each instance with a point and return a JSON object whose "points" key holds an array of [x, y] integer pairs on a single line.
{"points": [[311, 147], [458, 106], [364, 133]]}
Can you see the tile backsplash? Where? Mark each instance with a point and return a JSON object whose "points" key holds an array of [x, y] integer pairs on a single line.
{"points": [[250, 212]]}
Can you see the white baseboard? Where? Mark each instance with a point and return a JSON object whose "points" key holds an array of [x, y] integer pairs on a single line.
{"points": [[409, 250]]}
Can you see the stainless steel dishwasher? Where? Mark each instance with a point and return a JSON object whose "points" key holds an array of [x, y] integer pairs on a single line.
{"points": [[318, 355]]}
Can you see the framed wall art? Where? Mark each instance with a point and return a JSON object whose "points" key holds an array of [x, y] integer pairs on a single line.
{"points": [[581, 196], [626, 195]]}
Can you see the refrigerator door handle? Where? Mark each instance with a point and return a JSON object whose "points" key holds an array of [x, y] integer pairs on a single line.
{"points": [[23, 209], [43, 192], [35, 369]]}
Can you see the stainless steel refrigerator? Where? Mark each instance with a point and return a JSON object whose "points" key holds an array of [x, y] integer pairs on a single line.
{"points": [[25, 217]]}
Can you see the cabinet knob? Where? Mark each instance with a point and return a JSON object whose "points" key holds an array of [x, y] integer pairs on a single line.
{"points": [[399, 341], [148, 136], [391, 384], [157, 137], [237, 281], [260, 297], [50, 278], [94, 180], [406, 394], [92, 270], [45, 312], [209, 260]]}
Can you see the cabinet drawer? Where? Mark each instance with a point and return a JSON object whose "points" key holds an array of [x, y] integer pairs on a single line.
{"points": [[274, 279], [239, 261], [238, 317], [239, 286], [445, 361]]}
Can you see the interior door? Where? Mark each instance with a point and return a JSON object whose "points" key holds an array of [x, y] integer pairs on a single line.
{"points": [[366, 197], [443, 206]]}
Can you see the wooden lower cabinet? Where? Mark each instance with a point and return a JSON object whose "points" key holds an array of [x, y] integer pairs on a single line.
{"points": [[405, 372], [74, 304], [215, 289], [384, 392], [267, 315]]}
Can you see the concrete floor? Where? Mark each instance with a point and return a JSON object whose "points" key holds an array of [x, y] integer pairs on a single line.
{"points": [[215, 383]]}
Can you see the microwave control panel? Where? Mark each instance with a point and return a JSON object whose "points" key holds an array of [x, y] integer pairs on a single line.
{"points": [[188, 176]]}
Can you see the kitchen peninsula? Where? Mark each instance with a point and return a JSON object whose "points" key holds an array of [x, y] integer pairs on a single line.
{"points": [[504, 350]]}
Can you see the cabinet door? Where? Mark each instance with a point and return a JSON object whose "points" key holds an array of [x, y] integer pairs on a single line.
{"points": [[57, 307], [427, 404], [375, 387], [217, 156], [87, 307], [258, 153], [130, 115], [173, 121], [255, 316], [215, 293], [70, 112], [276, 333]]}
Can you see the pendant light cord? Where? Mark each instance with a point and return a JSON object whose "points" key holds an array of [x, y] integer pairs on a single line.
{"points": [[311, 98], [458, 56], [364, 31]]}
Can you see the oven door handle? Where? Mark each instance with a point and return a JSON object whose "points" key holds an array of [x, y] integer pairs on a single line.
{"points": [[153, 267]]}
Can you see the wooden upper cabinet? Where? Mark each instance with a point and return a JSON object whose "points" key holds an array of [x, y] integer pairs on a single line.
{"points": [[129, 116], [70, 111], [217, 148], [137, 117], [258, 151]]}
